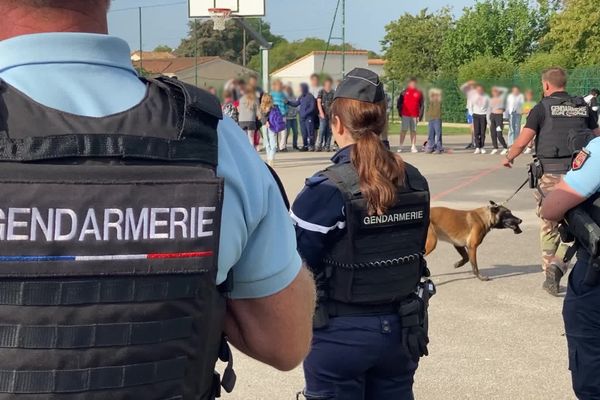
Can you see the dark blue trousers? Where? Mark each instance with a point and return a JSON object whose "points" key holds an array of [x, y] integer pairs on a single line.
{"points": [[581, 313], [359, 358], [307, 127]]}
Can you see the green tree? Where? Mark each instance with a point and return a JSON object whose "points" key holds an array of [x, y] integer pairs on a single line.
{"points": [[413, 43], [542, 60], [487, 68], [227, 44], [575, 31], [163, 48], [285, 52], [508, 29]]}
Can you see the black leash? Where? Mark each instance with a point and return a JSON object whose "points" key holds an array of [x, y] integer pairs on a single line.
{"points": [[516, 192]]}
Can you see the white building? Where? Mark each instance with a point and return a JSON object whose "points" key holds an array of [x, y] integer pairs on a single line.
{"points": [[300, 70]]}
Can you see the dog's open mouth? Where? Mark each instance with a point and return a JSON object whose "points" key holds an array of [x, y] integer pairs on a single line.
{"points": [[515, 227]]}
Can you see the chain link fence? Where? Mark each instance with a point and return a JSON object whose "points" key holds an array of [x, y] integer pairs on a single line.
{"points": [[581, 80]]}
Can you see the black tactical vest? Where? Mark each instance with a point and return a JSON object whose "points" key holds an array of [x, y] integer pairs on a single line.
{"points": [[562, 114], [379, 260], [109, 239]]}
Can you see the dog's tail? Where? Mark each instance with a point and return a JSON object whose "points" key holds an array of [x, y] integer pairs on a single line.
{"points": [[432, 240]]}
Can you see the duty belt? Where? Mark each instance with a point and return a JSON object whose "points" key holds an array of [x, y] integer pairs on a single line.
{"points": [[558, 166], [338, 309]]}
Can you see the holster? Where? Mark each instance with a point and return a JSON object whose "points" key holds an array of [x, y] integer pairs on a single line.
{"points": [[535, 171], [592, 276]]}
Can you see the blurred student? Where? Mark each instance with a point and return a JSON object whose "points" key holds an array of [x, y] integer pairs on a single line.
{"points": [[324, 101], [592, 101], [291, 117], [280, 100], [480, 108], [249, 112], [307, 109], [514, 108], [527, 107], [274, 123], [497, 111], [411, 105], [468, 88], [434, 118]]}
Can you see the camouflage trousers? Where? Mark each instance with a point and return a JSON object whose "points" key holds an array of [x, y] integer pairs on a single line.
{"points": [[553, 250]]}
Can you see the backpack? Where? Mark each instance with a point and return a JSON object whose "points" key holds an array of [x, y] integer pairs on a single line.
{"points": [[276, 121]]}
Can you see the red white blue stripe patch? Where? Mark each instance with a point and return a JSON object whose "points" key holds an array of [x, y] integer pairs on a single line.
{"points": [[122, 257]]}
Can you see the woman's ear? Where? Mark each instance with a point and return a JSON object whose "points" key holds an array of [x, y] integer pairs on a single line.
{"points": [[336, 126]]}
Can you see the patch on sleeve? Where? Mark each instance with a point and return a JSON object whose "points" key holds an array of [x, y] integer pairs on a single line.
{"points": [[580, 160]]}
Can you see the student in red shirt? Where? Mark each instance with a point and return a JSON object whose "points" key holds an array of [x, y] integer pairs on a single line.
{"points": [[411, 106]]}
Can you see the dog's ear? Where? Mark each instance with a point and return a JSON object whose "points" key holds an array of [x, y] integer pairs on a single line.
{"points": [[494, 207]]}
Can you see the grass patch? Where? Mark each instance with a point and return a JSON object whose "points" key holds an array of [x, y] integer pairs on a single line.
{"points": [[422, 129]]}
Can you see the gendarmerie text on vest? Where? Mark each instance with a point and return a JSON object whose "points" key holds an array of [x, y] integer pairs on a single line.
{"points": [[64, 224], [407, 216]]}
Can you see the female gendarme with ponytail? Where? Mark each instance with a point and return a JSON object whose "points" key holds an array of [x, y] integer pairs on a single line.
{"points": [[361, 226]]}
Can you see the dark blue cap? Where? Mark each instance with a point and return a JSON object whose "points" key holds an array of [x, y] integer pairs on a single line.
{"points": [[361, 84]]}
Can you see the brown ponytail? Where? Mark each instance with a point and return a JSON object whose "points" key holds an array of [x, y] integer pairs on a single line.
{"points": [[381, 173]]}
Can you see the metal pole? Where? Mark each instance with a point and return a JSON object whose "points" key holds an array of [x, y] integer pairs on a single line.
{"points": [[244, 48], [196, 52], [141, 41], [343, 38]]}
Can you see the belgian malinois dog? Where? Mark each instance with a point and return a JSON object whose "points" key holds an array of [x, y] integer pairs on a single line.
{"points": [[465, 230]]}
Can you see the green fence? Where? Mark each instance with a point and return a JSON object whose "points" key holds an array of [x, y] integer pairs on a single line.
{"points": [[581, 80]]}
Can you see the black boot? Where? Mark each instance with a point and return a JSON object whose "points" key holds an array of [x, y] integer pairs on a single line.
{"points": [[553, 277]]}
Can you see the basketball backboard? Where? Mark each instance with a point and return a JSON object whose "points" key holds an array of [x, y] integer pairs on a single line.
{"points": [[239, 8]]}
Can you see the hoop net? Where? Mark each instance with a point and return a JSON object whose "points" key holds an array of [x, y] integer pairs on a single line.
{"points": [[219, 16]]}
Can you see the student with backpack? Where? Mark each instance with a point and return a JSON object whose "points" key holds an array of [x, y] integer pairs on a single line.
{"points": [[273, 120]]}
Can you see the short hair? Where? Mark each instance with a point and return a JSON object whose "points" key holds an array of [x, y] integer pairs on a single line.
{"points": [[315, 76], [328, 79], [413, 79], [555, 76], [595, 92]]}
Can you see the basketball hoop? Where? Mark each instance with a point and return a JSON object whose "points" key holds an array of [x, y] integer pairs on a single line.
{"points": [[219, 17]]}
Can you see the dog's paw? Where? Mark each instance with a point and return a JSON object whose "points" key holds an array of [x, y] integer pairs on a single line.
{"points": [[484, 278], [459, 264]]}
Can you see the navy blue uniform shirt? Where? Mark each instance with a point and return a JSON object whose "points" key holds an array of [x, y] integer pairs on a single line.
{"points": [[318, 213]]}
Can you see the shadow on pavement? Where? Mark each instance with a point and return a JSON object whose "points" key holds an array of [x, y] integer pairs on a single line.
{"points": [[496, 272]]}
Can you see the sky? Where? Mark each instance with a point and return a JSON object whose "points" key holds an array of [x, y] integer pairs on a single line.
{"points": [[165, 21]]}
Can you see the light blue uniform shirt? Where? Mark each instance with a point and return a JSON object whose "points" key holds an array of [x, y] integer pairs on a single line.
{"points": [[586, 181], [92, 75]]}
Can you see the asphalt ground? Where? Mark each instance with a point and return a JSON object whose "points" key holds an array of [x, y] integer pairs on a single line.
{"points": [[502, 339]]}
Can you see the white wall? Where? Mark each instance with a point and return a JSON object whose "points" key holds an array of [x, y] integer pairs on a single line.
{"points": [[378, 69], [301, 71]]}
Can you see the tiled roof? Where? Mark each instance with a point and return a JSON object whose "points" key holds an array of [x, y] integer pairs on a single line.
{"points": [[172, 66]]}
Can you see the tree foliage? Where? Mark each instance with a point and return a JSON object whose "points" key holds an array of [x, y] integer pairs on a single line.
{"points": [[507, 29], [413, 43], [576, 31], [486, 68], [203, 40], [542, 60], [163, 48]]}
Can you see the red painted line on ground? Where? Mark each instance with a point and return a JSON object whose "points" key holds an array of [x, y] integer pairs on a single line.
{"points": [[198, 254], [467, 182]]}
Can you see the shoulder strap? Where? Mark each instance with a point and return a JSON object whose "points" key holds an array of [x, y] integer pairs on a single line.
{"points": [[197, 142], [345, 177]]}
